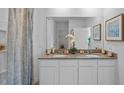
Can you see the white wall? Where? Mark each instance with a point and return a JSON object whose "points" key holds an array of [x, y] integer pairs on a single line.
{"points": [[3, 39], [39, 39], [74, 12], [117, 47], [3, 19], [3, 24]]}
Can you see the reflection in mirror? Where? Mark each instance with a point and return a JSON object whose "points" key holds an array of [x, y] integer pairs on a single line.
{"points": [[70, 32], [82, 38]]}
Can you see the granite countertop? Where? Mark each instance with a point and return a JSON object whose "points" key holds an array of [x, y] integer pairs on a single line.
{"points": [[78, 56]]}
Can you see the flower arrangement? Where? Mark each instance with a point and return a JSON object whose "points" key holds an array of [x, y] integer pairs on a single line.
{"points": [[71, 39], [73, 50]]}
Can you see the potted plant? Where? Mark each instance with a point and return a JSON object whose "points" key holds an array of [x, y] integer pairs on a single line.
{"points": [[73, 50]]}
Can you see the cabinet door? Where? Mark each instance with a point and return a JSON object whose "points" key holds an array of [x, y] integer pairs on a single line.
{"points": [[106, 71], [68, 72], [87, 75], [49, 72], [106, 75], [88, 72]]}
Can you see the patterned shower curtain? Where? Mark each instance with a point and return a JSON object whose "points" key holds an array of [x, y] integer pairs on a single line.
{"points": [[19, 46]]}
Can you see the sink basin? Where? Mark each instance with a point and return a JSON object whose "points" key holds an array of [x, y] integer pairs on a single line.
{"points": [[59, 55], [91, 55]]}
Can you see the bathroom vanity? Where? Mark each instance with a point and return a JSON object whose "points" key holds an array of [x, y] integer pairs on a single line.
{"points": [[89, 68], [93, 69]]}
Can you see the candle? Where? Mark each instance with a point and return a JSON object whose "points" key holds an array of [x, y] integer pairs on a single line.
{"points": [[81, 51]]}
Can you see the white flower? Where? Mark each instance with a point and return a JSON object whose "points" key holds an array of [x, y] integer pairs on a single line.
{"points": [[70, 36], [71, 39]]}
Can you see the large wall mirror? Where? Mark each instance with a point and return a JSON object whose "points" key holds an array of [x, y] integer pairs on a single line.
{"points": [[60, 29]]}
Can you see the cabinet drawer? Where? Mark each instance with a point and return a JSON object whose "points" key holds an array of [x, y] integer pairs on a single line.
{"points": [[106, 62], [48, 63], [68, 63], [88, 62]]}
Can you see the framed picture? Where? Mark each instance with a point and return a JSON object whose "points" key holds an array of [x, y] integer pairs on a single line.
{"points": [[97, 32], [114, 28]]}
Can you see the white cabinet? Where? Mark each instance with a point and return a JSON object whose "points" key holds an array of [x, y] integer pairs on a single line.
{"points": [[58, 72], [106, 72], [77, 71], [88, 72], [48, 72], [106, 76], [68, 72]]}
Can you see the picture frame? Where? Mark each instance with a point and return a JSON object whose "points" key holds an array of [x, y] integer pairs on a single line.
{"points": [[97, 32], [114, 29]]}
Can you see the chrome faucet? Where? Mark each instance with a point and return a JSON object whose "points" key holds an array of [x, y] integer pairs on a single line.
{"points": [[89, 46]]}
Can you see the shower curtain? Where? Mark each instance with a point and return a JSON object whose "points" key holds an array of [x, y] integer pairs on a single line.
{"points": [[19, 46]]}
